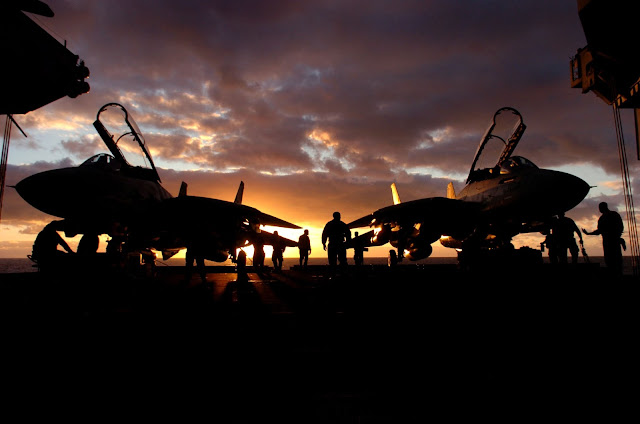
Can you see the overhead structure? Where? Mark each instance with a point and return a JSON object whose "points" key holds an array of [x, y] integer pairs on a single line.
{"points": [[38, 69], [609, 66]]}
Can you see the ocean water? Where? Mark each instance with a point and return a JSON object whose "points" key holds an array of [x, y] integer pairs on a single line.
{"points": [[19, 265], [289, 262], [14, 265]]}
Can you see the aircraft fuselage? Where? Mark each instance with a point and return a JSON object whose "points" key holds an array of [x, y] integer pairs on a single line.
{"points": [[518, 197], [92, 195], [512, 197], [528, 194], [108, 195]]}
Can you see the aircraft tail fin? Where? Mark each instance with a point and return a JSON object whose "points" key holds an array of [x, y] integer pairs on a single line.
{"points": [[238, 199], [183, 189], [394, 193], [451, 192]]}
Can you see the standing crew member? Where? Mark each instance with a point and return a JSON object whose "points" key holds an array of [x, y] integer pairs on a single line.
{"points": [[563, 237], [337, 232], [358, 250], [278, 249], [304, 245], [258, 254], [610, 227]]}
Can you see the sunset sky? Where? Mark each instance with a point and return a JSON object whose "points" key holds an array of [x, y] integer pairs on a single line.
{"points": [[318, 106]]}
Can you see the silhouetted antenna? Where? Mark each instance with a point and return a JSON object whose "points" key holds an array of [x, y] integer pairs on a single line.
{"points": [[5, 154], [48, 28], [3, 161]]}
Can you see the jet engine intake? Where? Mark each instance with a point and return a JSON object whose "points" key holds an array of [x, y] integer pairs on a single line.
{"points": [[418, 251], [450, 242], [217, 255], [381, 235]]}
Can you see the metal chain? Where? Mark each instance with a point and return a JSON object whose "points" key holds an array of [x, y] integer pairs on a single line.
{"points": [[628, 195]]}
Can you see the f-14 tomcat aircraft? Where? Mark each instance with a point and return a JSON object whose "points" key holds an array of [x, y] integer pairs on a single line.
{"points": [[512, 197], [108, 195]]}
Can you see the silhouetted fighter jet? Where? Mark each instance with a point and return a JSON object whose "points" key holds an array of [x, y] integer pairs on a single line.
{"points": [[108, 195], [512, 197]]}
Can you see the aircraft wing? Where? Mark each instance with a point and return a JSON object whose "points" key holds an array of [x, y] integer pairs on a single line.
{"points": [[363, 240], [414, 225], [198, 212], [365, 221], [266, 219], [224, 224], [433, 212], [272, 239]]}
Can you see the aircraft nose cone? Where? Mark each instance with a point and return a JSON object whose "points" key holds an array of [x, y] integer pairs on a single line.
{"points": [[29, 188], [45, 191], [581, 188], [568, 190], [34, 190]]}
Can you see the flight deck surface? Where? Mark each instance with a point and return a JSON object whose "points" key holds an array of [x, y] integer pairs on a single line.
{"points": [[365, 345]]}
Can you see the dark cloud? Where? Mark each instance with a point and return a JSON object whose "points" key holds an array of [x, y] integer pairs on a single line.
{"points": [[374, 75], [83, 148]]}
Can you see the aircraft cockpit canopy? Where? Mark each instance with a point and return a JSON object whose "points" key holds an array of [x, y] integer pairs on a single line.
{"points": [[499, 130], [103, 161], [121, 135], [516, 163]]}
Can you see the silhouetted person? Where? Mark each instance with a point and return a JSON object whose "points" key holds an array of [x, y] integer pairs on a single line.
{"points": [[45, 247], [148, 258], [551, 245], [610, 227], [88, 249], [304, 245], [392, 259], [196, 252], [358, 250], [241, 266], [88, 245], [117, 240], [278, 249], [563, 230], [337, 232], [116, 244], [258, 254]]}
